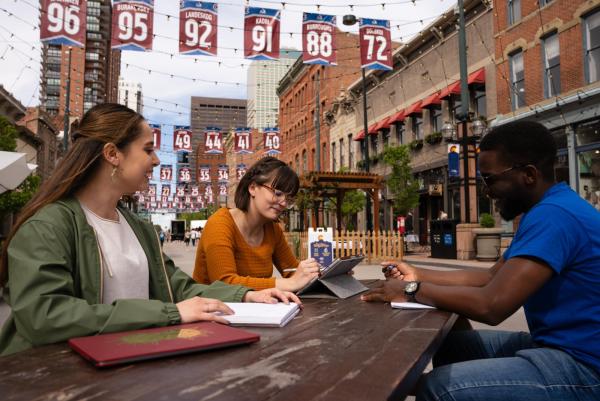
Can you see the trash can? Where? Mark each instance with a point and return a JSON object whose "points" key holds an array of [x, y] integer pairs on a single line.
{"points": [[443, 238]]}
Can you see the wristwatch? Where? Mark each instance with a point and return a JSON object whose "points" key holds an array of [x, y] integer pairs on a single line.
{"points": [[411, 290]]}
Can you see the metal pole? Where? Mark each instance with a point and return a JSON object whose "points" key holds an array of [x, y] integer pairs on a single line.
{"points": [[67, 109], [318, 123], [365, 143], [464, 106]]}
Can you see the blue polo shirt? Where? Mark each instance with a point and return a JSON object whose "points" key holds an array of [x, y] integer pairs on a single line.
{"points": [[563, 230]]}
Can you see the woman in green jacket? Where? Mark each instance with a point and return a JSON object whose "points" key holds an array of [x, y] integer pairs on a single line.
{"points": [[78, 263]]}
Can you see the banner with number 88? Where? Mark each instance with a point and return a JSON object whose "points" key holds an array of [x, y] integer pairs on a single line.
{"points": [[62, 23], [318, 39]]}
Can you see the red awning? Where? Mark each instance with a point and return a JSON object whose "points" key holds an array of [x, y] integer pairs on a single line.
{"points": [[432, 100], [398, 116], [382, 124], [360, 136], [415, 108], [477, 77], [372, 129], [452, 89]]}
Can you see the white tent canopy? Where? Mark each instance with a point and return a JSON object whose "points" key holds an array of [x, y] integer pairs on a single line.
{"points": [[13, 170]]}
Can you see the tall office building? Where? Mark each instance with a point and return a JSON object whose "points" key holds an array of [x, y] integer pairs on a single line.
{"points": [[226, 114], [93, 73], [130, 95], [263, 79]]}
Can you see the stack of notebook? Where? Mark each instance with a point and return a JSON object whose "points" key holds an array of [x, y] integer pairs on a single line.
{"points": [[263, 315]]}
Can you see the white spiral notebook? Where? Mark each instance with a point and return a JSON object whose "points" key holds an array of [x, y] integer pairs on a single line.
{"points": [[265, 315], [410, 305]]}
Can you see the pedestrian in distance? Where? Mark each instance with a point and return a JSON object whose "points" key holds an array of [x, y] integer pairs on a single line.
{"points": [[552, 268], [77, 262]]}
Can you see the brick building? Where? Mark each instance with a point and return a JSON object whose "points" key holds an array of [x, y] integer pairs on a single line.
{"points": [[40, 124], [548, 69]]}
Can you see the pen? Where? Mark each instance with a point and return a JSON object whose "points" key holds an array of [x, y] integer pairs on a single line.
{"points": [[294, 269]]}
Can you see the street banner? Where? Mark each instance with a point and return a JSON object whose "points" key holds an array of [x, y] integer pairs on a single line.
{"points": [[208, 194], [375, 44], [198, 28], [132, 25], [272, 141], [165, 191], [166, 172], [261, 33], [243, 140], [223, 189], [318, 39], [188, 200], [180, 190], [240, 170], [156, 135], [213, 141], [63, 22], [223, 173], [453, 160], [204, 173], [201, 203], [182, 138], [194, 190], [184, 175]]}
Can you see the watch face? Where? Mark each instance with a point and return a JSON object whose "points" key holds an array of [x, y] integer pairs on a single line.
{"points": [[411, 287]]}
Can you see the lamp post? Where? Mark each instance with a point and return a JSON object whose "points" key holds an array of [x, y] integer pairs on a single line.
{"points": [[350, 20]]}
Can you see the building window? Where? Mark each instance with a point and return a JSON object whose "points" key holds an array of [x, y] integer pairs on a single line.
{"points": [[455, 106], [399, 133], [551, 55], [324, 156], [417, 123], [514, 11], [341, 152], [373, 140], [544, 2], [480, 103], [517, 80], [333, 166], [436, 119], [350, 152], [386, 137], [592, 47]]}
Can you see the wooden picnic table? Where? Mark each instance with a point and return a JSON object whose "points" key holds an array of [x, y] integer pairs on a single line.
{"points": [[334, 350]]}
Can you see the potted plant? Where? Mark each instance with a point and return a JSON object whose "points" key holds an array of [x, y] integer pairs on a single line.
{"points": [[433, 138], [488, 238], [416, 144]]}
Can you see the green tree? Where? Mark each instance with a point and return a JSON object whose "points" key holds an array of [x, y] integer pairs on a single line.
{"points": [[401, 181], [354, 202], [8, 135]]}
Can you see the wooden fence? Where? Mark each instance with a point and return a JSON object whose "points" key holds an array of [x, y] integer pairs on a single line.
{"points": [[377, 247]]}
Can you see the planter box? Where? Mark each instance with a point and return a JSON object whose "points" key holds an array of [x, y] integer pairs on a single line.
{"points": [[488, 242]]}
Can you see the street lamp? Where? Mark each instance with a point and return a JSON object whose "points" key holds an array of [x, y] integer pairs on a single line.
{"points": [[350, 20]]}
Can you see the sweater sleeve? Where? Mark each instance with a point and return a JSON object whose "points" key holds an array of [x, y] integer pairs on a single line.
{"points": [[218, 239], [283, 258]]}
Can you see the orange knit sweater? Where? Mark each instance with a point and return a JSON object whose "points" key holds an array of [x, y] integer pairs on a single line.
{"points": [[223, 254]]}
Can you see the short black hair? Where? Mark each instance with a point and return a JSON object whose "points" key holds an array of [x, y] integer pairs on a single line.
{"points": [[263, 171], [521, 143]]}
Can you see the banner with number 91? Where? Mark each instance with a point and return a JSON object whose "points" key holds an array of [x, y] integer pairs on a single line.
{"points": [[182, 138], [261, 33], [318, 39], [63, 23], [375, 44], [133, 22], [198, 28]]}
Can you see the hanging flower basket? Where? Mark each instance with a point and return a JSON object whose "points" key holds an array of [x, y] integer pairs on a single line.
{"points": [[416, 145]]}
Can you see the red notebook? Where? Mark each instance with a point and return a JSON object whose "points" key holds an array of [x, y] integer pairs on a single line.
{"points": [[138, 345]]}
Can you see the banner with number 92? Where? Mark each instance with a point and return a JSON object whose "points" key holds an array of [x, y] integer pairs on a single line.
{"points": [[63, 23], [132, 25], [261, 33], [375, 44], [318, 39], [198, 28]]}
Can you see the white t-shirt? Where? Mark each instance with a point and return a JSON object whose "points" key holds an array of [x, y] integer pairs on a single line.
{"points": [[125, 263]]}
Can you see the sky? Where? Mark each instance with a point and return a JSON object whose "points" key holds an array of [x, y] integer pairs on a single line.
{"points": [[20, 49]]}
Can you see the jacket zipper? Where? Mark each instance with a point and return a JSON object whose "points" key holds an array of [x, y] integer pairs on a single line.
{"points": [[101, 295], [162, 260]]}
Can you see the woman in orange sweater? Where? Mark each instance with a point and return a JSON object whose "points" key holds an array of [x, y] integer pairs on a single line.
{"points": [[241, 245]]}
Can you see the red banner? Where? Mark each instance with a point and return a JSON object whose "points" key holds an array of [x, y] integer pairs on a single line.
{"points": [[194, 190], [204, 174], [208, 194], [223, 173], [182, 138], [63, 22], [198, 28], [240, 170], [166, 172], [223, 190], [165, 191], [132, 24], [272, 141], [261, 33], [243, 141], [156, 135], [375, 44], [318, 39], [213, 141], [180, 190], [185, 174]]}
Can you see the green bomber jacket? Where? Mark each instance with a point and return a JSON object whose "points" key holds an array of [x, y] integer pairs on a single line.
{"points": [[55, 282]]}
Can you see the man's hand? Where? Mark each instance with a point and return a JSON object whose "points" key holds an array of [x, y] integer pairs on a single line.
{"points": [[198, 308], [389, 291], [271, 296], [399, 270]]}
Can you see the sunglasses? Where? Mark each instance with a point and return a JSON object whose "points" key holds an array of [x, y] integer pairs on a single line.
{"points": [[490, 179], [278, 195]]}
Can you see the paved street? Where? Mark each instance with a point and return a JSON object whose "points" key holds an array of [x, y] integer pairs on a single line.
{"points": [[184, 258]]}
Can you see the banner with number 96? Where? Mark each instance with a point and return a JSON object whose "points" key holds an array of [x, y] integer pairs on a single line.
{"points": [[182, 138], [318, 39], [63, 23], [133, 22], [198, 28], [261, 33], [375, 44]]}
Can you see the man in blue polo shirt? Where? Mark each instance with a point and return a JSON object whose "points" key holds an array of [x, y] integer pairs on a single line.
{"points": [[552, 268]]}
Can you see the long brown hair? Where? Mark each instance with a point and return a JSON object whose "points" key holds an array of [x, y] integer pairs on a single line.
{"points": [[102, 124]]}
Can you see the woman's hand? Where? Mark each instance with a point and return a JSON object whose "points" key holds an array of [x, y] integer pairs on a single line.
{"points": [[271, 296], [306, 271], [399, 270], [198, 308]]}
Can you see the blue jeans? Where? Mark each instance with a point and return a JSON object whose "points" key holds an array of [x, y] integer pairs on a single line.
{"points": [[498, 365]]}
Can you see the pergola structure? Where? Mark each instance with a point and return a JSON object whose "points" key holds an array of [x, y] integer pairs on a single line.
{"points": [[334, 185]]}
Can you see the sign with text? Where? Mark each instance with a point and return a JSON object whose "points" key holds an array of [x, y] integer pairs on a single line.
{"points": [[198, 28], [243, 140], [166, 172], [272, 141], [204, 173], [155, 135], [194, 191], [180, 190], [165, 192], [185, 174], [223, 171], [182, 138], [63, 22], [261, 33], [375, 44], [208, 194], [213, 141], [133, 22], [453, 160], [223, 190], [240, 170], [151, 190], [318, 39]]}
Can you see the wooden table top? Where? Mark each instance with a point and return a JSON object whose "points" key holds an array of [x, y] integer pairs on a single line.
{"points": [[334, 350]]}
